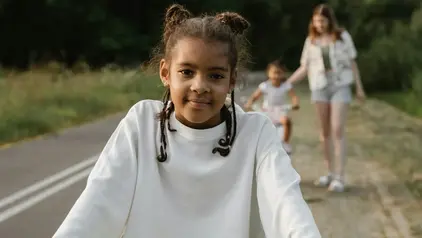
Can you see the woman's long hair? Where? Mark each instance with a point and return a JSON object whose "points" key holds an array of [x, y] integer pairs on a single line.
{"points": [[333, 29]]}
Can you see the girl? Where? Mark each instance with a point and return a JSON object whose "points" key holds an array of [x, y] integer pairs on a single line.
{"points": [[274, 91], [328, 59], [203, 168]]}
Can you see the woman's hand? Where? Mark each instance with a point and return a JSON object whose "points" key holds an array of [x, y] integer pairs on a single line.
{"points": [[360, 94]]}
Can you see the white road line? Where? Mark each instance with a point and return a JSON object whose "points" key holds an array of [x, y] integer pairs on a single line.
{"points": [[46, 182], [43, 195]]}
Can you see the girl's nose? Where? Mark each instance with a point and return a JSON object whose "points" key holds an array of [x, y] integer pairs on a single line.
{"points": [[200, 85]]}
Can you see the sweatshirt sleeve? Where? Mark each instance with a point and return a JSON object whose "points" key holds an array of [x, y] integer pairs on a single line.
{"points": [[283, 210], [102, 208]]}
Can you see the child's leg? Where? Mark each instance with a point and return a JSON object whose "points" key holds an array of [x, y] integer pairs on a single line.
{"points": [[287, 125]]}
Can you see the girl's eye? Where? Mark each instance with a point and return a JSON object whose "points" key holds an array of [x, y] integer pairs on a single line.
{"points": [[186, 72], [216, 76]]}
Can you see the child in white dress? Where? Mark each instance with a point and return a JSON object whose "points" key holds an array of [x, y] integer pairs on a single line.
{"points": [[275, 92]]}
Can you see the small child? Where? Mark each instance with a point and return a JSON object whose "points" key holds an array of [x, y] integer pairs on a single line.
{"points": [[193, 165], [275, 91]]}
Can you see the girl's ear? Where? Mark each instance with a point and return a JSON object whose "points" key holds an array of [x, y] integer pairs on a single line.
{"points": [[164, 72], [233, 80]]}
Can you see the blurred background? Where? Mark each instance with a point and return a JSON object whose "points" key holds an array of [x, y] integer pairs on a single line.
{"points": [[64, 62]]}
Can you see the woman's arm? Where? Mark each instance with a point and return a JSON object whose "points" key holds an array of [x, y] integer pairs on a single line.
{"points": [[283, 210], [352, 52], [102, 208], [298, 75], [359, 86]]}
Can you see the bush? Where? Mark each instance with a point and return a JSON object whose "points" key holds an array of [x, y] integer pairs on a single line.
{"points": [[417, 85], [390, 62]]}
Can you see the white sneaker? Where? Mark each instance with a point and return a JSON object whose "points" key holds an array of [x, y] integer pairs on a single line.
{"points": [[323, 181], [287, 148], [336, 186]]}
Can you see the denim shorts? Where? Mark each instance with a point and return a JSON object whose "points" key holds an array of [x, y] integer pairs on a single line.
{"points": [[332, 93]]}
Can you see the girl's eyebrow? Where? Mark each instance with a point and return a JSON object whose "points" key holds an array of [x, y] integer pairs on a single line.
{"points": [[220, 68]]}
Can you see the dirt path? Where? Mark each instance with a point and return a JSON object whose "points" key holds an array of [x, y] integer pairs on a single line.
{"points": [[369, 208]]}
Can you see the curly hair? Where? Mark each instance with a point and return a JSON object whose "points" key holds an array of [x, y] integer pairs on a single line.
{"points": [[226, 27]]}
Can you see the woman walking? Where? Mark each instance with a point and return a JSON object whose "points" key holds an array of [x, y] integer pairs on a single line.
{"points": [[328, 59]]}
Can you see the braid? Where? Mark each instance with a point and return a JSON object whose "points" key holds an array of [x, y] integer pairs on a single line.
{"points": [[227, 142], [169, 111], [234, 118], [164, 115]]}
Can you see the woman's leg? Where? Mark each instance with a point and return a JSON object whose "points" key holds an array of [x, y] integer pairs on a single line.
{"points": [[339, 107], [321, 99], [323, 110], [338, 121]]}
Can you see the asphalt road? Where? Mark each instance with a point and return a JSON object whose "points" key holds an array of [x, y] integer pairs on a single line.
{"points": [[41, 179]]}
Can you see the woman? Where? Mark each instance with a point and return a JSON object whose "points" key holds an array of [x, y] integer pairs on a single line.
{"points": [[328, 59]]}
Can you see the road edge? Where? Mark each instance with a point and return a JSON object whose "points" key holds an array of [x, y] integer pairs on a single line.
{"points": [[387, 200]]}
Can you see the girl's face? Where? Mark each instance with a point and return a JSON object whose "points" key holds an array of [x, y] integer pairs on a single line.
{"points": [[199, 78], [276, 75], [320, 23]]}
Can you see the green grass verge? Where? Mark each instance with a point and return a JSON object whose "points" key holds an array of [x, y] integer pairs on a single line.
{"points": [[33, 103], [408, 102]]}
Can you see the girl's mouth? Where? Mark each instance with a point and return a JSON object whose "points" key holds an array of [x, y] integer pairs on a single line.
{"points": [[199, 103]]}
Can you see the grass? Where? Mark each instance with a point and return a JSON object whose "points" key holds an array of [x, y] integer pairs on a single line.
{"points": [[38, 102], [406, 162], [405, 101]]}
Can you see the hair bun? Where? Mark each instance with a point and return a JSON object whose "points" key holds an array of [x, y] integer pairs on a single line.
{"points": [[236, 22], [176, 14]]}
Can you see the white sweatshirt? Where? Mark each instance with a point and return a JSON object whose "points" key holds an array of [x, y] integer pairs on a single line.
{"points": [[195, 193]]}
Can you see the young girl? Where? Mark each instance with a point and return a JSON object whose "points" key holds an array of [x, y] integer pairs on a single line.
{"points": [[275, 92], [328, 58], [202, 168]]}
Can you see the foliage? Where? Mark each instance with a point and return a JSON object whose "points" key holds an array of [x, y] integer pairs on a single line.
{"points": [[386, 32]]}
